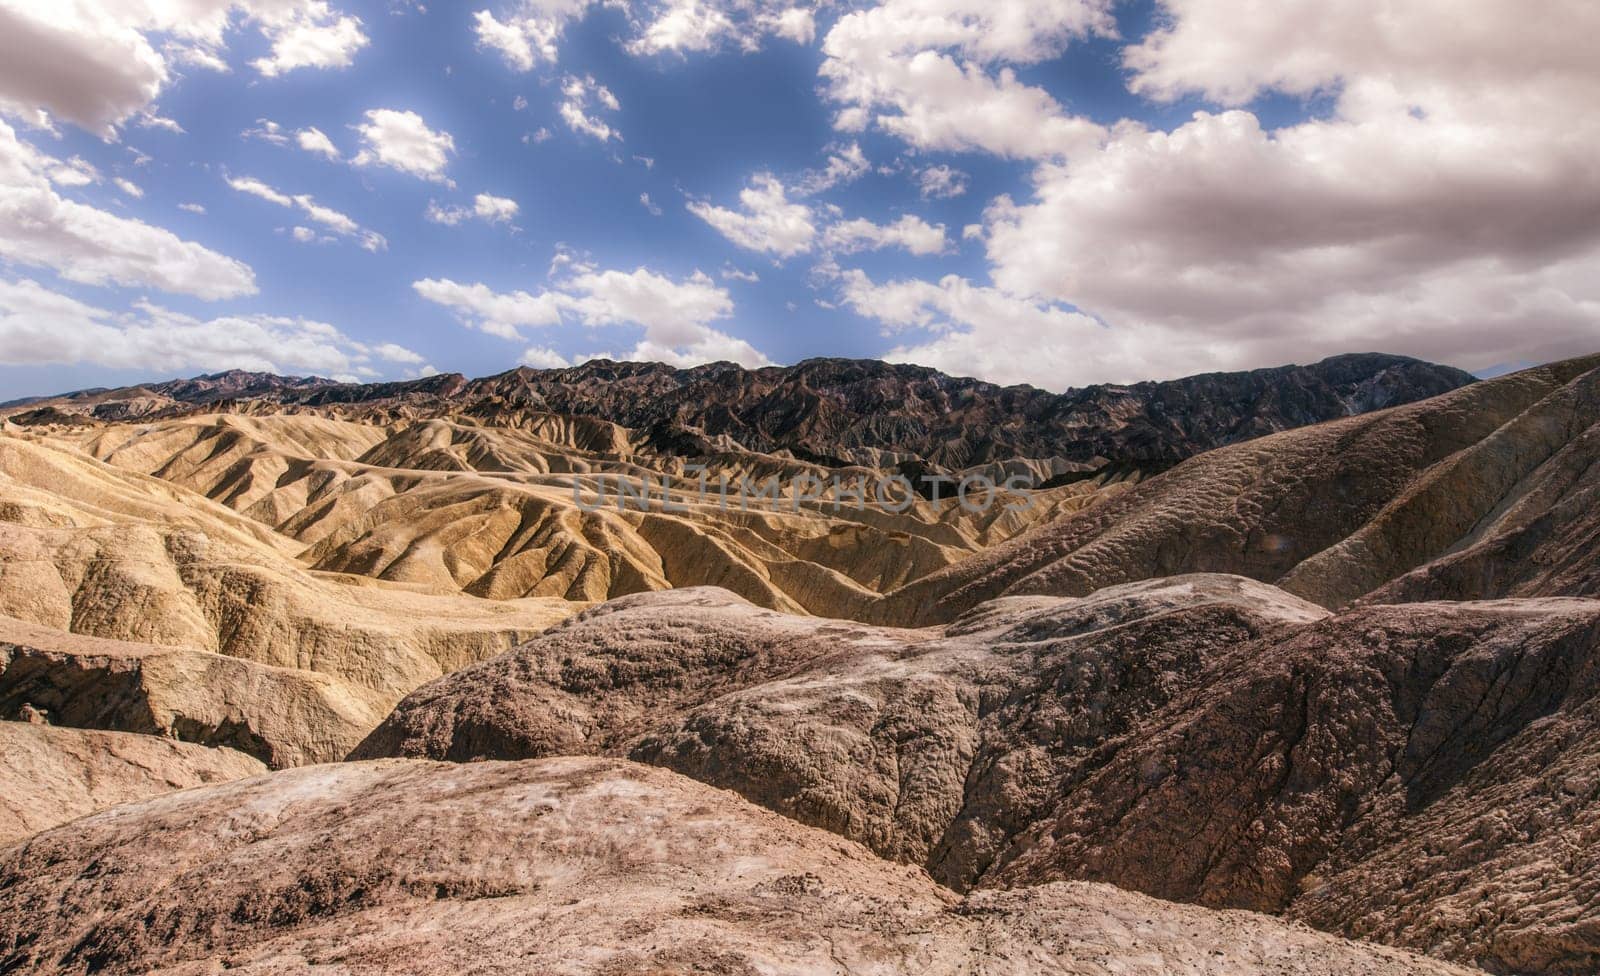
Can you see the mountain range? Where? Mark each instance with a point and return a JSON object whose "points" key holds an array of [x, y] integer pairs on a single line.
{"points": [[1294, 670]]}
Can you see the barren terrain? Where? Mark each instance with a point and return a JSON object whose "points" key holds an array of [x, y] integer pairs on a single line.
{"points": [[1319, 643]]}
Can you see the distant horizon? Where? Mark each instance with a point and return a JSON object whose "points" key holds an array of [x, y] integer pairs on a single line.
{"points": [[11, 401]]}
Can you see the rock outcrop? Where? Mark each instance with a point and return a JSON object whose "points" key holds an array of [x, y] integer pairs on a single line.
{"points": [[1390, 772], [49, 775], [566, 866], [935, 747]]}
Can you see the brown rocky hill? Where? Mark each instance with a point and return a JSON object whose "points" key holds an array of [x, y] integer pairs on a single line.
{"points": [[566, 866], [838, 412], [1426, 775], [1492, 481], [53, 775]]}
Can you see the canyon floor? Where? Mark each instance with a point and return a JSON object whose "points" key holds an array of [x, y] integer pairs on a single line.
{"points": [[1294, 671]]}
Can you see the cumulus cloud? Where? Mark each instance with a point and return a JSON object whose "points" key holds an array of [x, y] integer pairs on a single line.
{"points": [[576, 96], [498, 314], [72, 172], [97, 63], [543, 357], [528, 33], [972, 330], [676, 315], [328, 217], [910, 233], [485, 207], [309, 34], [129, 187], [39, 326], [937, 73], [314, 140], [846, 164], [767, 222], [681, 26], [941, 182], [403, 141], [41, 228], [1447, 207]]}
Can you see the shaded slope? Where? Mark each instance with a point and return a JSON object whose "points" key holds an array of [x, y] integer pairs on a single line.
{"points": [[1330, 511]]}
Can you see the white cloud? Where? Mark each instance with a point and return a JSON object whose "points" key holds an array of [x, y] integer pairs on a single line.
{"points": [[767, 222], [39, 326], [314, 140], [97, 63], [304, 235], [73, 172], [307, 34], [485, 207], [129, 187], [543, 357], [150, 120], [675, 315], [794, 23], [921, 70], [328, 217], [193, 208], [576, 95], [256, 188], [846, 164], [390, 352], [978, 331], [649, 204], [496, 210], [40, 228], [267, 131], [1445, 208], [529, 32], [497, 314], [910, 232], [403, 141], [730, 273], [683, 25], [941, 182]]}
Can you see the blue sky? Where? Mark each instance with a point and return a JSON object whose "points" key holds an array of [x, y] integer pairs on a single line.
{"points": [[1047, 191]]}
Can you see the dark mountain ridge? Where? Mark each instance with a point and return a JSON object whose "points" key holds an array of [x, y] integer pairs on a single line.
{"points": [[839, 411]]}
